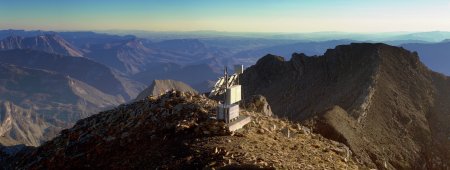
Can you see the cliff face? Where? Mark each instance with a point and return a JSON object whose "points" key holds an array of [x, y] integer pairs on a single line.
{"points": [[380, 100]]}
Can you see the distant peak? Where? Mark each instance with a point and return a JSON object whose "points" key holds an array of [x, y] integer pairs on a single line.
{"points": [[161, 86], [269, 58]]}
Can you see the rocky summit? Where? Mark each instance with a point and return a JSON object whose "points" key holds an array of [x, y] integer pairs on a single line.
{"points": [[380, 100], [159, 87], [177, 130]]}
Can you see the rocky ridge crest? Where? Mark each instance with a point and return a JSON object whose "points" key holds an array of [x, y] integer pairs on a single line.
{"points": [[378, 99]]}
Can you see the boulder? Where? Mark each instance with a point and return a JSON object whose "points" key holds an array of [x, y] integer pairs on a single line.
{"points": [[258, 103]]}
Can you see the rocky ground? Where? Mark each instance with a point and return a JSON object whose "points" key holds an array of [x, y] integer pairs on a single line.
{"points": [[273, 143], [176, 130]]}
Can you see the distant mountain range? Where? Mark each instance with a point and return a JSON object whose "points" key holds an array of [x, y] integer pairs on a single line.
{"points": [[226, 49], [81, 80], [431, 36], [435, 55], [51, 43], [83, 69], [129, 56], [286, 50]]}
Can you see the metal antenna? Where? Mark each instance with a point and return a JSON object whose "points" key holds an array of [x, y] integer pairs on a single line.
{"points": [[226, 77], [225, 95]]}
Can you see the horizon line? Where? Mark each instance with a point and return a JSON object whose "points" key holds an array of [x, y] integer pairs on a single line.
{"points": [[217, 31]]}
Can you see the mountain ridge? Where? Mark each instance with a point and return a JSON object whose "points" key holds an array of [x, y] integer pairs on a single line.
{"points": [[355, 94], [51, 43], [83, 69]]}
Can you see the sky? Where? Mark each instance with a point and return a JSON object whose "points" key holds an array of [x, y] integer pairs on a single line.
{"points": [[228, 15]]}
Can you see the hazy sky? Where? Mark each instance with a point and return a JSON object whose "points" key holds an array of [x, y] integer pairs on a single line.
{"points": [[228, 15]]}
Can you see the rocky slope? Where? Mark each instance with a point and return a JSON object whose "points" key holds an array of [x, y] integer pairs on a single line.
{"points": [[51, 43], [159, 87], [380, 100], [80, 68], [175, 131], [19, 125], [36, 103]]}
